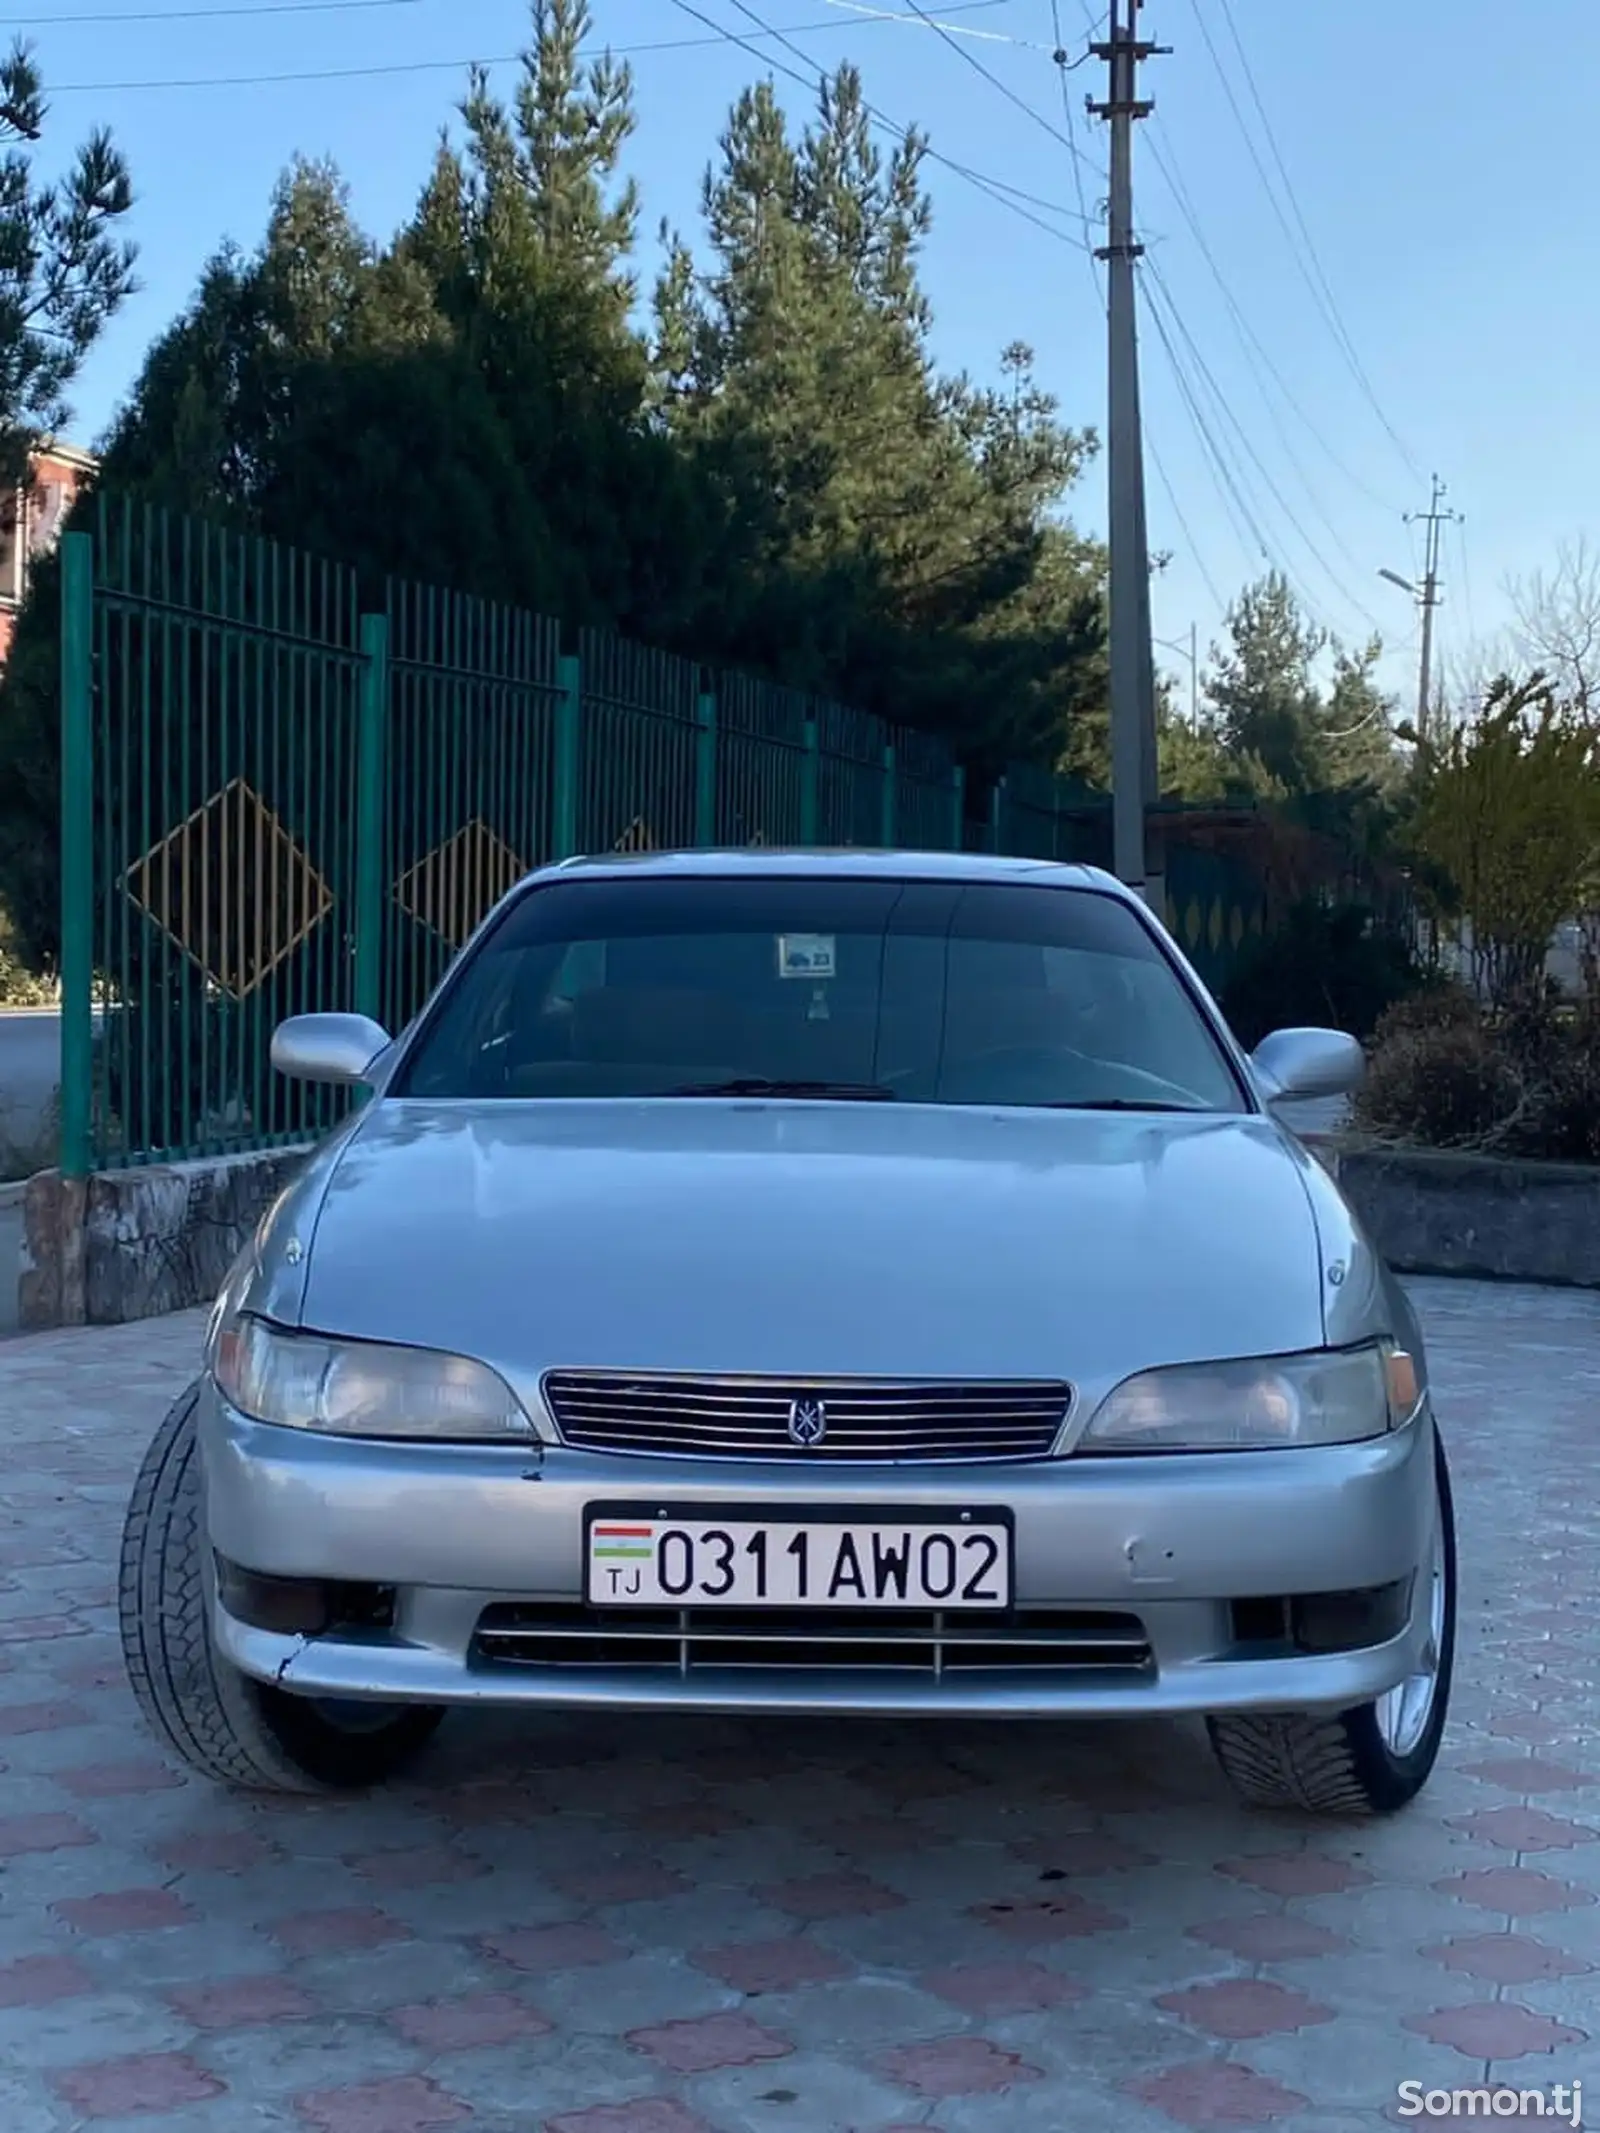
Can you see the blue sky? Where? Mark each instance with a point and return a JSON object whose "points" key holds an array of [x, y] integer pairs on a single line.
{"points": [[1444, 164]]}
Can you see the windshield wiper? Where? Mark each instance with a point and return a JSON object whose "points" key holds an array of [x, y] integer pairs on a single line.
{"points": [[1124, 1103], [822, 1091]]}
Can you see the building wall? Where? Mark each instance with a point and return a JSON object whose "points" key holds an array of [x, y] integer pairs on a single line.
{"points": [[30, 524]]}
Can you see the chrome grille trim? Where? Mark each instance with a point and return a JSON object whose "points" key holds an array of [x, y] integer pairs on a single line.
{"points": [[1048, 1641], [869, 1421]]}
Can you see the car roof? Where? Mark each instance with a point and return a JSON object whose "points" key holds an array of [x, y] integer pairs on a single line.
{"points": [[844, 863]]}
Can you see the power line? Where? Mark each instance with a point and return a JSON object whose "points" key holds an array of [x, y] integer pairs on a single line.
{"points": [[1166, 163], [1268, 549], [1231, 486], [203, 14], [335, 7], [1254, 456], [1080, 162], [1018, 103], [880, 14], [1264, 368], [1310, 242], [1301, 245], [718, 35], [1235, 505], [1007, 195], [1195, 555], [1063, 67]]}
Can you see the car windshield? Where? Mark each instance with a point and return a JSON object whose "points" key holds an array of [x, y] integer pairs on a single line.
{"points": [[821, 987]]}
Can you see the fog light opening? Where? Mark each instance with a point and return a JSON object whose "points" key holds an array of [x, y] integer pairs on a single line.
{"points": [[1349, 1621], [301, 1607], [1325, 1622]]}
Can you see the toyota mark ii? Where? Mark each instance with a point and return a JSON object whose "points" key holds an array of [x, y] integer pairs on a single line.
{"points": [[836, 1283]]}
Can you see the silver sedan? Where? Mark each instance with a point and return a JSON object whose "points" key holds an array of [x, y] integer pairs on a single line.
{"points": [[806, 1282]]}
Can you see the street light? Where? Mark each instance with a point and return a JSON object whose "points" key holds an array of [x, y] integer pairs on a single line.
{"points": [[1191, 652], [1404, 584]]}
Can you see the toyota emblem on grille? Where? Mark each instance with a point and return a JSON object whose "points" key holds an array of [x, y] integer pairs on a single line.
{"points": [[808, 1423]]}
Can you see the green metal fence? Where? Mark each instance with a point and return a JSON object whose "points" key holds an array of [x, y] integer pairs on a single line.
{"points": [[219, 703], [278, 797], [478, 723], [274, 801], [1217, 910]]}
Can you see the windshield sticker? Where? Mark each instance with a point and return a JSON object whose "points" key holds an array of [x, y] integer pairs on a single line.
{"points": [[805, 955]]}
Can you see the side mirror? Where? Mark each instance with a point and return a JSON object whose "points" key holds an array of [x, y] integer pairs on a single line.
{"points": [[336, 1048], [1296, 1065]]}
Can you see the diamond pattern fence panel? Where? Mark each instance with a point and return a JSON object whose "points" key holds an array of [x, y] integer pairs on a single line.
{"points": [[1217, 911], [226, 679]]}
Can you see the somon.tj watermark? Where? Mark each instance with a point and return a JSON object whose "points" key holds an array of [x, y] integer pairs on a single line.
{"points": [[1563, 2102]]}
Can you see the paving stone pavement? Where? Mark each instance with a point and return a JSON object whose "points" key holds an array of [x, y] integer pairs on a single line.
{"points": [[652, 1926]]}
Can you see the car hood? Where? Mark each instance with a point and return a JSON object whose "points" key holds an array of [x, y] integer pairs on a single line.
{"points": [[816, 1240]]}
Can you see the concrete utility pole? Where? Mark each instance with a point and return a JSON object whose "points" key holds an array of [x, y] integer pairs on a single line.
{"points": [[1139, 860], [1426, 595]]}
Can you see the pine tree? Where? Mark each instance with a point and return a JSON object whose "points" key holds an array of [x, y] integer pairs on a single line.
{"points": [[65, 269], [1282, 737], [918, 510], [1359, 723], [1262, 693]]}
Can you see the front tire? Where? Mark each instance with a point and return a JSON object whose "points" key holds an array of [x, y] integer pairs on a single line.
{"points": [[1372, 1760], [235, 1730]]}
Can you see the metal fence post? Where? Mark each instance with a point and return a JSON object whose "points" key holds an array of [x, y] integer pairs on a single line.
{"points": [[374, 714], [958, 807], [77, 853], [810, 783], [705, 769], [569, 736], [890, 796]]}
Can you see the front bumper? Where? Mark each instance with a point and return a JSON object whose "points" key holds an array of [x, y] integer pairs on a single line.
{"points": [[1191, 1551]]}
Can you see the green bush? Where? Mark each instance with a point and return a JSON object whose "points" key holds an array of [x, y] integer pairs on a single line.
{"points": [[1326, 967], [20, 987]]}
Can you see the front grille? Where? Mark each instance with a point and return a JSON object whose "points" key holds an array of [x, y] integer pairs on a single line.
{"points": [[1042, 1640], [865, 1419]]}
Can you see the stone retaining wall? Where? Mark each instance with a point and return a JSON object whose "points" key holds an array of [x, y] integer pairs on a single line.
{"points": [[1430, 1212], [132, 1244]]}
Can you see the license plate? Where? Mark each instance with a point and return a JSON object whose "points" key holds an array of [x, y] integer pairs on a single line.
{"points": [[654, 1558]]}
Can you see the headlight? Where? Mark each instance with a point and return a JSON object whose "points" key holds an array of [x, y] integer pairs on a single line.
{"points": [[1332, 1398], [359, 1388]]}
